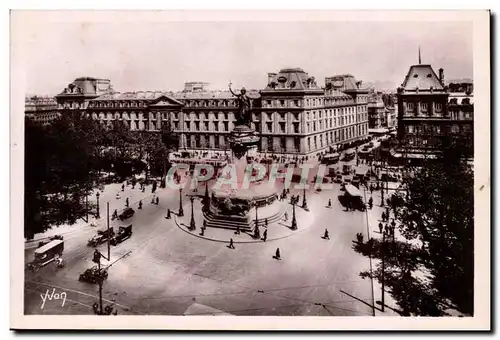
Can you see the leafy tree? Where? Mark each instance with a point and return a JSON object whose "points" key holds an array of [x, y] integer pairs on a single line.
{"points": [[433, 270], [57, 172]]}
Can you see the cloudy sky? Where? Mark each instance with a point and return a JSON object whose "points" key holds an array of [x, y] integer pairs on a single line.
{"points": [[158, 55]]}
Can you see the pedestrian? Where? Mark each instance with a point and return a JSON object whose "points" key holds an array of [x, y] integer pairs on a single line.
{"points": [[371, 189], [126, 202], [123, 187], [231, 244], [143, 188], [329, 203], [370, 203], [264, 236], [380, 227], [115, 214], [277, 256], [237, 232], [202, 233], [157, 200], [256, 232], [140, 205], [168, 214], [326, 236], [393, 223], [286, 216], [383, 216]]}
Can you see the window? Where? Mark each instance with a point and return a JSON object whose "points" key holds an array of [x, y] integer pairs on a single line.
{"points": [[206, 126], [296, 142], [409, 106], [197, 126], [410, 129], [439, 106], [282, 103], [216, 126], [282, 127], [226, 115], [423, 106], [269, 127], [226, 126], [188, 126], [296, 127]]}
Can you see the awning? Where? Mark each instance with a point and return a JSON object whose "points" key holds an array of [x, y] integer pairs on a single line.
{"points": [[332, 155], [378, 131]]}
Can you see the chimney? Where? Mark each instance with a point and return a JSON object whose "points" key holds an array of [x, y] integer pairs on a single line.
{"points": [[270, 77], [441, 76]]}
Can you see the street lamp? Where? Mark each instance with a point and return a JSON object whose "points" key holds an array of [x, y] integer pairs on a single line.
{"points": [[304, 201], [192, 225], [294, 219], [97, 214], [181, 211]]}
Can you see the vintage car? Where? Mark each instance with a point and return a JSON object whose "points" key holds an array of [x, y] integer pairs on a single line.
{"points": [[102, 236], [127, 213], [93, 275], [123, 234]]}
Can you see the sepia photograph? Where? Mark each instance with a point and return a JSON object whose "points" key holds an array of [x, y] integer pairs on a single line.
{"points": [[253, 170]]}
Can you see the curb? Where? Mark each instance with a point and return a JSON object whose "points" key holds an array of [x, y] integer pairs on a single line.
{"points": [[242, 242]]}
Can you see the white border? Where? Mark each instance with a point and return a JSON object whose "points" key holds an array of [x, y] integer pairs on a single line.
{"points": [[481, 320]]}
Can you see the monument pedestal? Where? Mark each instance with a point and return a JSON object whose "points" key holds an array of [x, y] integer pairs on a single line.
{"points": [[234, 206]]}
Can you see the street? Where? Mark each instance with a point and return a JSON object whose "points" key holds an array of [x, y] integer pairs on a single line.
{"points": [[168, 270]]}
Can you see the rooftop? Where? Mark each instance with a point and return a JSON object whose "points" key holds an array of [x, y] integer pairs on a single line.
{"points": [[422, 77], [291, 79]]}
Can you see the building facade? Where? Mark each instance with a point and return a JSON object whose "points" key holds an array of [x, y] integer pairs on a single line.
{"points": [[292, 114], [423, 116], [41, 110], [461, 111]]}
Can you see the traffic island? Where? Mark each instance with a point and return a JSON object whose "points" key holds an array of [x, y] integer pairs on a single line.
{"points": [[276, 230]]}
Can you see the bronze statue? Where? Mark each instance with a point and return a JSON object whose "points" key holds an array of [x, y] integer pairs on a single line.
{"points": [[243, 117]]}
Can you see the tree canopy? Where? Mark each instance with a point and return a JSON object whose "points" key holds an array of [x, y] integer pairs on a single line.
{"points": [[63, 161], [432, 269]]}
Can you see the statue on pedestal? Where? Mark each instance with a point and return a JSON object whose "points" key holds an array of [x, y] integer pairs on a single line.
{"points": [[243, 116]]}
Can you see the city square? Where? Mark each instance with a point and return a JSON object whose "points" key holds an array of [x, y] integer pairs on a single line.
{"points": [[305, 193]]}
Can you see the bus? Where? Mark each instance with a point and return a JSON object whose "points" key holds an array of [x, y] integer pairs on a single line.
{"points": [[331, 158]]}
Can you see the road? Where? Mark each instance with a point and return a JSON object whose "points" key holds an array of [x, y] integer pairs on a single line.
{"points": [[169, 270]]}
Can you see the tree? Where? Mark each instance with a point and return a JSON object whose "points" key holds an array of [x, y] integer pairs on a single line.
{"points": [[433, 269], [58, 171]]}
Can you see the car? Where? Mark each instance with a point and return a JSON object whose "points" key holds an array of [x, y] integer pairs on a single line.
{"points": [[123, 234], [338, 179], [127, 213]]}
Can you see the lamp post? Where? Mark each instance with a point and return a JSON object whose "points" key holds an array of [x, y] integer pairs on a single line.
{"points": [[294, 219], [304, 201], [97, 214], [192, 224], [181, 211]]}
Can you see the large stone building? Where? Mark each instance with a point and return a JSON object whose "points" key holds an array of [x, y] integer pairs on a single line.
{"points": [[429, 115], [292, 113], [461, 111], [41, 110]]}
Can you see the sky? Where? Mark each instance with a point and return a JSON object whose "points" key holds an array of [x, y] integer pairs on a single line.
{"points": [[137, 55]]}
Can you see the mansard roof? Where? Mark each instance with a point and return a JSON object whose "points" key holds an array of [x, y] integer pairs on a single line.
{"points": [[422, 77]]}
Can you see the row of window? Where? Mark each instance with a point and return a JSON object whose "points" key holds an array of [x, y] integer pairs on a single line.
{"points": [[460, 115], [423, 106], [337, 136]]}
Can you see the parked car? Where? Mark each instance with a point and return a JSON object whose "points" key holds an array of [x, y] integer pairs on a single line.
{"points": [[127, 213]]}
